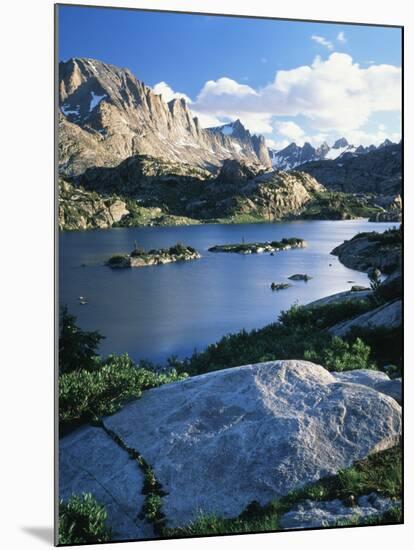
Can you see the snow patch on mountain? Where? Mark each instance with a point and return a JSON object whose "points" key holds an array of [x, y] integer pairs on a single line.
{"points": [[96, 99]]}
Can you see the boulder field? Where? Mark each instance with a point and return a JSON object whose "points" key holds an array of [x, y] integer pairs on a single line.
{"points": [[218, 441]]}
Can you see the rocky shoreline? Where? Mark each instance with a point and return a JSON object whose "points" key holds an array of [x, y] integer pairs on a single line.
{"points": [[372, 250]]}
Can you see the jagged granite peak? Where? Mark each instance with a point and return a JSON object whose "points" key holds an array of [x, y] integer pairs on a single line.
{"points": [[385, 143], [117, 116], [340, 143], [293, 155], [242, 138], [322, 149]]}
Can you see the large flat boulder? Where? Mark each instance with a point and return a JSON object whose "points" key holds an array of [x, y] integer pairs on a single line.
{"points": [[91, 462], [218, 441], [388, 315]]}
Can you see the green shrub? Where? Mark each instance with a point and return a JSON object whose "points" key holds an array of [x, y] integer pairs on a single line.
{"points": [[117, 260], [179, 249], [77, 348], [88, 395], [386, 344], [299, 334], [82, 520], [152, 508], [341, 356], [323, 316]]}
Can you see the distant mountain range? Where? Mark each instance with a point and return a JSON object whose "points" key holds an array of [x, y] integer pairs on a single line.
{"points": [[107, 115], [377, 171], [294, 155]]}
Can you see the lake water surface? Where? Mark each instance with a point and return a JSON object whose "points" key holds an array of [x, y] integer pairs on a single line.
{"points": [[157, 311]]}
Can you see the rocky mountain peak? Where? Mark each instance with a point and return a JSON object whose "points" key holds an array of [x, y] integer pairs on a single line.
{"points": [[385, 143], [340, 143], [108, 115]]}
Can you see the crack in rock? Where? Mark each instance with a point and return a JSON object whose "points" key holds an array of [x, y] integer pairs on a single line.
{"points": [[90, 461]]}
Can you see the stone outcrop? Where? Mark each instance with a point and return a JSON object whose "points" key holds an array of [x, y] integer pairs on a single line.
{"points": [[240, 190], [377, 380], [234, 171], [218, 441], [313, 514], [91, 462], [107, 115], [340, 297], [371, 250], [80, 209], [388, 315]]}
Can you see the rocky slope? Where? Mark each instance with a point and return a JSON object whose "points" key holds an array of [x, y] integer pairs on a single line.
{"points": [[239, 190], [219, 441], [107, 115], [378, 171], [81, 209]]}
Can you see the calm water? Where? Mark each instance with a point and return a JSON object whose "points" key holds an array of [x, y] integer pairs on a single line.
{"points": [[154, 312]]}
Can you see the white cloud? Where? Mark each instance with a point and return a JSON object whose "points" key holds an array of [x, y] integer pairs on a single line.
{"points": [[322, 41], [361, 137], [341, 37], [208, 121], [334, 95], [277, 145], [291, 130], [167, 93]]}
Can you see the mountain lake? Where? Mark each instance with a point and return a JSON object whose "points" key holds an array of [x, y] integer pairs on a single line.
{"points": [[158, 311]]}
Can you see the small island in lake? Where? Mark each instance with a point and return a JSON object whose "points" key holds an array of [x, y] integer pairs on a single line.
{"points": [[256, 248], [142, 258]]}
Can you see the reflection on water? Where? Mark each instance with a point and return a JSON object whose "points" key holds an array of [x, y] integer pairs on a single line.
{"points": [[154, 312]]}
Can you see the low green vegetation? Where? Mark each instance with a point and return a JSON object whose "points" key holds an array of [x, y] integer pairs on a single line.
{"points": [[332, 205], [151, 216], [299, 334], [91, 387], [82, 520], [393, 236], [340, 355], [87, 395], [380, 473], [118, 260]]}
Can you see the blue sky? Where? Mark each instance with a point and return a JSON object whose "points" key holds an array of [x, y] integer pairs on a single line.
{"points": [[241, 58]]}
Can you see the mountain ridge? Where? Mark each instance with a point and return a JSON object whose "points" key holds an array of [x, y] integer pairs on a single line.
{"points": [[295, 155], [108, 115]]}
